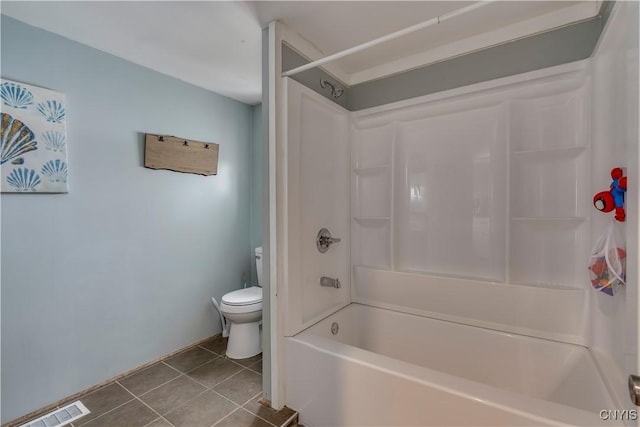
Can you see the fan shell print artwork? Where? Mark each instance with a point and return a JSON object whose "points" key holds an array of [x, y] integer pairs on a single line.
{"points": [[34, 139]]}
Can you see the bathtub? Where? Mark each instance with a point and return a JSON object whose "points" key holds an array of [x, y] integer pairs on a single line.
{"points": [[388, 368]]}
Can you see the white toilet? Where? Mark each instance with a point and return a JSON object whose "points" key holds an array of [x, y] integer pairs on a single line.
{"points": [[243, 309]]}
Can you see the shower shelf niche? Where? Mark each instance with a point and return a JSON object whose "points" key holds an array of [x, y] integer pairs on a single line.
{"points": [[372, 153]]}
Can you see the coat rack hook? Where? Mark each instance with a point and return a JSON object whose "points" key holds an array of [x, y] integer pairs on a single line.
{"points": [[185, 143], [161, 138], [206, 146]]}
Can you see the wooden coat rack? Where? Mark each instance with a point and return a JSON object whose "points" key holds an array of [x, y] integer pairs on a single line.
{"points": [[180, 155]]}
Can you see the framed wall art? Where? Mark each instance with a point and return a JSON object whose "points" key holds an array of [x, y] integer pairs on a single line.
{"points": [[34, 139]]}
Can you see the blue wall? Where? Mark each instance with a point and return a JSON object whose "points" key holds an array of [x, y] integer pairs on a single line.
{"points": [[120, 270], [256, 185]]}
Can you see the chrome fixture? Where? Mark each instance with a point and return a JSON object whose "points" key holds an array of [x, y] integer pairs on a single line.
{"points": [[336, 91], [330, 282], [634, 389], [324, 240]]}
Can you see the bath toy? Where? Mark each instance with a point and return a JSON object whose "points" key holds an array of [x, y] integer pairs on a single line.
{"points": [[607, 201], [602, 278]]}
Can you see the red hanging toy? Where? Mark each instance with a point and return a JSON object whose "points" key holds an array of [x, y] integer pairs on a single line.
{"points": [[606, 201]]}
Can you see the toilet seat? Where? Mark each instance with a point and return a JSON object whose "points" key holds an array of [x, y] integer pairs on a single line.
{"points": [[246, 296], [245, 300], [248, 308]]}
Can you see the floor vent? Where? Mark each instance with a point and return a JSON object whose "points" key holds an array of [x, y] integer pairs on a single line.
{"points": [[60, 417]]}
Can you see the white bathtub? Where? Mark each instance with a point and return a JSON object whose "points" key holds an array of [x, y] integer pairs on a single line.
{"points": [[393, 369]]}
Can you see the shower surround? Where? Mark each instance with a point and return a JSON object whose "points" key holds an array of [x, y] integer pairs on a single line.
{"points": [[466, 222]]}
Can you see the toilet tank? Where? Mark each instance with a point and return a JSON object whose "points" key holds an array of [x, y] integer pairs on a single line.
{"points": [[259, 264]]}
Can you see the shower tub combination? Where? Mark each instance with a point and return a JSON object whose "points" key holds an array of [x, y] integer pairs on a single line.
{"points": [[465, 304], [383, 367]]}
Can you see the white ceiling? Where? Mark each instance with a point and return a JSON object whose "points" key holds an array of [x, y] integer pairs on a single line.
{"points": [[217, 45]]}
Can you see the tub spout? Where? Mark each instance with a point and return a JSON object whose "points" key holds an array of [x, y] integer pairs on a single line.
{"points": [[330, 282]]}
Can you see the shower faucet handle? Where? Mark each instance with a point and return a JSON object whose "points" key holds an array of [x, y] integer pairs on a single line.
{"points": [[324, 240]]}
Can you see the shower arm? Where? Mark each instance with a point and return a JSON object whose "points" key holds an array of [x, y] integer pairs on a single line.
{"points": [[336, 92]]}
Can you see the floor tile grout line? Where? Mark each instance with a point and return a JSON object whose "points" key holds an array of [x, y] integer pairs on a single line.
{"points": [[258, 416], [199, 346], [211, 351], [182, 404], [216, 384], [200, 366], [264, 419], [240, 408], [202, 384], [220, 394], [110, 410], [160, 417], [289, 420], [225, 417], [239, 364], [177, 370], [225, 397], [253, 397], [205, 385], [229, 377], [154, 388], [180, 374], [188, 401], [254, 370], [156, 412], [257, 394], [196, 367]]}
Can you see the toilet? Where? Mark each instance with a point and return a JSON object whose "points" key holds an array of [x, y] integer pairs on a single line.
{"points": [[243, 312]]}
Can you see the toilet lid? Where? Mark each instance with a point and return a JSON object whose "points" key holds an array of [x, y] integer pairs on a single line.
{"points": [[245, 296]]}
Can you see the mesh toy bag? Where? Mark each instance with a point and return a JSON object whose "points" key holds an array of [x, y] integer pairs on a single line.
{"points": [[607, 265]]}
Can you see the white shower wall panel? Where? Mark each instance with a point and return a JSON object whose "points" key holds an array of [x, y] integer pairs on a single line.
{"points": [[372, 147], [488, 182], [450, 194], [533, 241], [543, 122], [371, 242], [318, 196], [373, 189], [614, 68], [544, 184]]}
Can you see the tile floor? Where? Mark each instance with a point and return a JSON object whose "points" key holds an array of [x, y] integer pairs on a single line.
{"points": [[198, 387]]}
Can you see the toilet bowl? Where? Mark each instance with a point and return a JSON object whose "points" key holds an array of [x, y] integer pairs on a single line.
{"points": [[243, 308], [241, 315]]}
